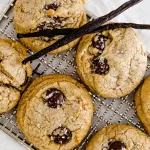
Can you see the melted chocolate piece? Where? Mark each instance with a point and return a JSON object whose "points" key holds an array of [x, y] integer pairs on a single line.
{"points": [[61, 135], [54, 98], [1, 60], [55, 22], [100, 66], [117, 145], [52, 23], [41, 26], [100, 43], [53, 6]]}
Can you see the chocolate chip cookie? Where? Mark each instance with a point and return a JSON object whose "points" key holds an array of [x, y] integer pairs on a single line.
{"points": [[36, 15], [14, 76], [119, 137], [111, 63], [55, 112], [142, 101]]}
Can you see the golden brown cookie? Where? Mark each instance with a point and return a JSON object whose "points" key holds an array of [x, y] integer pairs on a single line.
{"points": [[55, 112], [142, 101], [14, 76], [119, 137], [111, 63], [36, 15]]}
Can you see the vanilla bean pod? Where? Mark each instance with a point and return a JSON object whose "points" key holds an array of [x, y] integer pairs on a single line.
{"points": [[122, 25], [47, 33], [112, 26], [87, 28]]}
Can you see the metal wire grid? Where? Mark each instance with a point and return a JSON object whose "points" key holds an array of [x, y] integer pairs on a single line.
{"points": [[107, 111]]}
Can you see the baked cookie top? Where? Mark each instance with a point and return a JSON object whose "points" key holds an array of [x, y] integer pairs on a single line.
{"points": [[142, 101], [55, 112], [14, 76], [37, 15], [119, 137], [111, 63], [145, 96]]}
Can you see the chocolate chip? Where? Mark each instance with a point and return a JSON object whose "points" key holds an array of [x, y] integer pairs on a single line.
{"points": [[52, 23], [99, 42], [1, 60], [100, 65], [54, 98], [55, 22], [53, 6], [41, 26], [117, 145], [61, 135]]}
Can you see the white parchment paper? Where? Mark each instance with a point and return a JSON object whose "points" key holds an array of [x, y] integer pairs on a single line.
{"points": [[3, 4]]}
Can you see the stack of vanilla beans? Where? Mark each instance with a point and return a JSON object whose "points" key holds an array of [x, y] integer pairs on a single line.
{"points": [[94, 26]]}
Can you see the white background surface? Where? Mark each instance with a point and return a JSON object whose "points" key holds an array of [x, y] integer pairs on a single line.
{"points": [[138, 14], [3, 3]]}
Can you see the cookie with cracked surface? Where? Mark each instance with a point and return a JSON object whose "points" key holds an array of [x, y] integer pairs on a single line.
{"points": [[55, 112], [142, 101], [111, 63], [48, 14], [14, 76], [119, 137]]}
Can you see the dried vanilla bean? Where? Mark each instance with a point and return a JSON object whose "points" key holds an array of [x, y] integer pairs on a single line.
{"points": [[122, 25], [112, 26], [47, 33], [87, 28]]}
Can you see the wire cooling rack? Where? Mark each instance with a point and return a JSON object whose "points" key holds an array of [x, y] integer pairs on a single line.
{"points": [[108, 111]]}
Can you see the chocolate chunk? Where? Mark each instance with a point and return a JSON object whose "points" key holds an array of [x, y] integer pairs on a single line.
{"points": [[100, 65], [53, 6], [1, 60], [117, 145], [52, 23], [41, 26], [99, 42], [54, 98], [61, 135]]}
